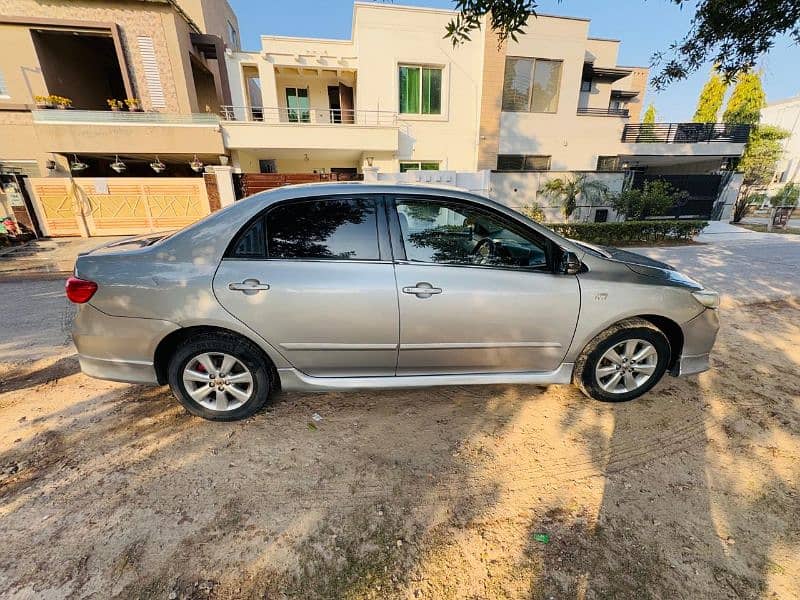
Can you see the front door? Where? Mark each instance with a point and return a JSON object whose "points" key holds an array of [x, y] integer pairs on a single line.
{"points": [[477, 293], [314, 278]]}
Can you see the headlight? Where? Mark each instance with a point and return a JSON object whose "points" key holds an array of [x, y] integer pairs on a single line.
{"points": [[707, 298]]}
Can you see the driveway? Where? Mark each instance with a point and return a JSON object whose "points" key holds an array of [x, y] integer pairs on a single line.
{"points": [[110, 490], [745, 268]]}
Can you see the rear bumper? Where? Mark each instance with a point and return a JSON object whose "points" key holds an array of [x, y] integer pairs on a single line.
{"points": [[118, 370], [117, 348], [699, 336]]}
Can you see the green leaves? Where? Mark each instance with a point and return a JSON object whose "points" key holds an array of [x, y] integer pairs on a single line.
{"points": [[710, 100], [567, 190], [746, 101], [730, 33], [653, 200], [506, 17], [629, 232]]}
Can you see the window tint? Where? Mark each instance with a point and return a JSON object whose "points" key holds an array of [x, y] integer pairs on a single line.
{"points": [[341, 228], [252, 243], [452, 233]]}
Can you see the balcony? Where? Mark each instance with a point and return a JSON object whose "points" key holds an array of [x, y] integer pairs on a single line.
{"points": [[604, 112], [309, 128], [685, 133], [124, 117], [123, 132]]}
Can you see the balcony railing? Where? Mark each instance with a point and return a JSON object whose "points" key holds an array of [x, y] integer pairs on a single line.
{"points": [[684, 133], [122, 117], [604, 112], [302, 116]]}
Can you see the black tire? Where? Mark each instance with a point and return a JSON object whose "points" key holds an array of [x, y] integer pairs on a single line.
{"points": [[584, 374], [241, 349]]}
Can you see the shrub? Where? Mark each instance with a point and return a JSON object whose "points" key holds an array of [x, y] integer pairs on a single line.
{"points": [[629, 232], [533, 211], [655, 199]]}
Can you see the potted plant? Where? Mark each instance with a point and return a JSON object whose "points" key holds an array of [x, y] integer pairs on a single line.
{"points": [[115, 105], [62, 102], [43, 101], [133, 104]]}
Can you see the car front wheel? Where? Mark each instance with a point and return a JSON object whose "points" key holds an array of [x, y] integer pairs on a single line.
{"points": [[623, 362], [219, 377]]}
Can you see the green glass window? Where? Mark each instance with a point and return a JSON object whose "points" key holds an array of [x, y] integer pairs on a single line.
{"points": [[297, 105], [418, 166], [420, 90]]}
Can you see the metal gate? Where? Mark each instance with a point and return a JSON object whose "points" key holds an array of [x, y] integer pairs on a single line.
{"points": [[702, 190], [120, 206]]}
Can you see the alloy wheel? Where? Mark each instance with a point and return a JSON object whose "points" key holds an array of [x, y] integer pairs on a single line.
{"points": [[626, 366], [218, 381]]}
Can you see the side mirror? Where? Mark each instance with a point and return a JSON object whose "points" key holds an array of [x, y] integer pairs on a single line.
{"points": [[570, 263]]}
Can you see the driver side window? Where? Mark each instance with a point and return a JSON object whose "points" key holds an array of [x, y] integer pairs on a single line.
{"points": [[453, 233]]}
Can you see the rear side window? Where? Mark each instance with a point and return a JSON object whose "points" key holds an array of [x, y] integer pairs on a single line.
{"points": [[252, 243], [336, 228]]}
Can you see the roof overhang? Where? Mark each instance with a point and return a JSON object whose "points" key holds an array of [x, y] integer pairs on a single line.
{"points": [[590, 71]]}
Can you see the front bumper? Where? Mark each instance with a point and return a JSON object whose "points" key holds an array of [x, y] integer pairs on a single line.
{"points": [[117, 348], [699, 336]]}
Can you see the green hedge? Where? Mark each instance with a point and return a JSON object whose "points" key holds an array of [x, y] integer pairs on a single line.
{"points": [[629, 232]]}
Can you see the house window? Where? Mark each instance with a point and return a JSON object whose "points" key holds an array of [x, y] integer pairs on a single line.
{"points": [[617, 105], [531, 85], [233, 36], [297, 106], [586, 85], [418, 166], [608, 163], [420, 90], [3, 86], [523, 162]]}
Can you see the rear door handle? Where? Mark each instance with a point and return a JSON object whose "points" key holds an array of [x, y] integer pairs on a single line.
{"points": [[422, 290], [248, 286]]}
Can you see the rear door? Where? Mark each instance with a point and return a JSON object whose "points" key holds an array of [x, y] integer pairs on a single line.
{"points": [[314, 277], [477, 292]]}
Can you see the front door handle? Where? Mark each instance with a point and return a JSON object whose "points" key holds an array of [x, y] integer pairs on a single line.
{"points": [[248, 286], [422, 290]]}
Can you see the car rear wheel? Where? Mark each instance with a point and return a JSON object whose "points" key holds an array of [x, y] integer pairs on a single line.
{"points": [[623, 362], [219, 377]]}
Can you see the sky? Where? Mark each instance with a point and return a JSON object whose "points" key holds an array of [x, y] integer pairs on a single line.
{"points": [[644, 26]]}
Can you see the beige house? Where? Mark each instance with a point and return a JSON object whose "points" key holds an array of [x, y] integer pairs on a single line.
{"points": [[398, 97], [164, 53], [159, 61]]}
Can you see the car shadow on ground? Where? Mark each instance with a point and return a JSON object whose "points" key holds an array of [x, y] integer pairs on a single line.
{"points": [[437, 493]]}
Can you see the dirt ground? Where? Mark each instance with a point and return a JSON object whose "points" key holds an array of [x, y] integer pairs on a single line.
{"points": [[113, 491]]}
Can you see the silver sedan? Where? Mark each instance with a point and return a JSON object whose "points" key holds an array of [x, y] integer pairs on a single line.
{"points": [[352, 286]]}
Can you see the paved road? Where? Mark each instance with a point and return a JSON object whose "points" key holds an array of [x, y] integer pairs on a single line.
{"points": [[746, 269], [32, 313]]}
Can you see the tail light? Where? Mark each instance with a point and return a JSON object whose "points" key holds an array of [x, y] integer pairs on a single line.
{"points": [[80, 290]]}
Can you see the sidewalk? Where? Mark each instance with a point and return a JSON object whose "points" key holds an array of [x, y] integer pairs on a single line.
{"points": [[54, 256]]}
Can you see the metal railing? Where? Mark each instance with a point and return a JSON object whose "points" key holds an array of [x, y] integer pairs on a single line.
{"points": [[604, 112], [301, 116], [685, 133], [123, 117]]}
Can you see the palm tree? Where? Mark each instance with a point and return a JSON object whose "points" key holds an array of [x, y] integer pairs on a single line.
{"points": [[567, 190]]}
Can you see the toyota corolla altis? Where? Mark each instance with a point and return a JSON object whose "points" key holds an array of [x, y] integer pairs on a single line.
{"points": [[353, 286]]}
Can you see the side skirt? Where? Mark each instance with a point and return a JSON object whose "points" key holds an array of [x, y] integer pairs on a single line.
{"points": [[294, 380]]}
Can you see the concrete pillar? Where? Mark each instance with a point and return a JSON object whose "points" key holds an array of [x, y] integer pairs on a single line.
{"points": [[227, 195]]}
